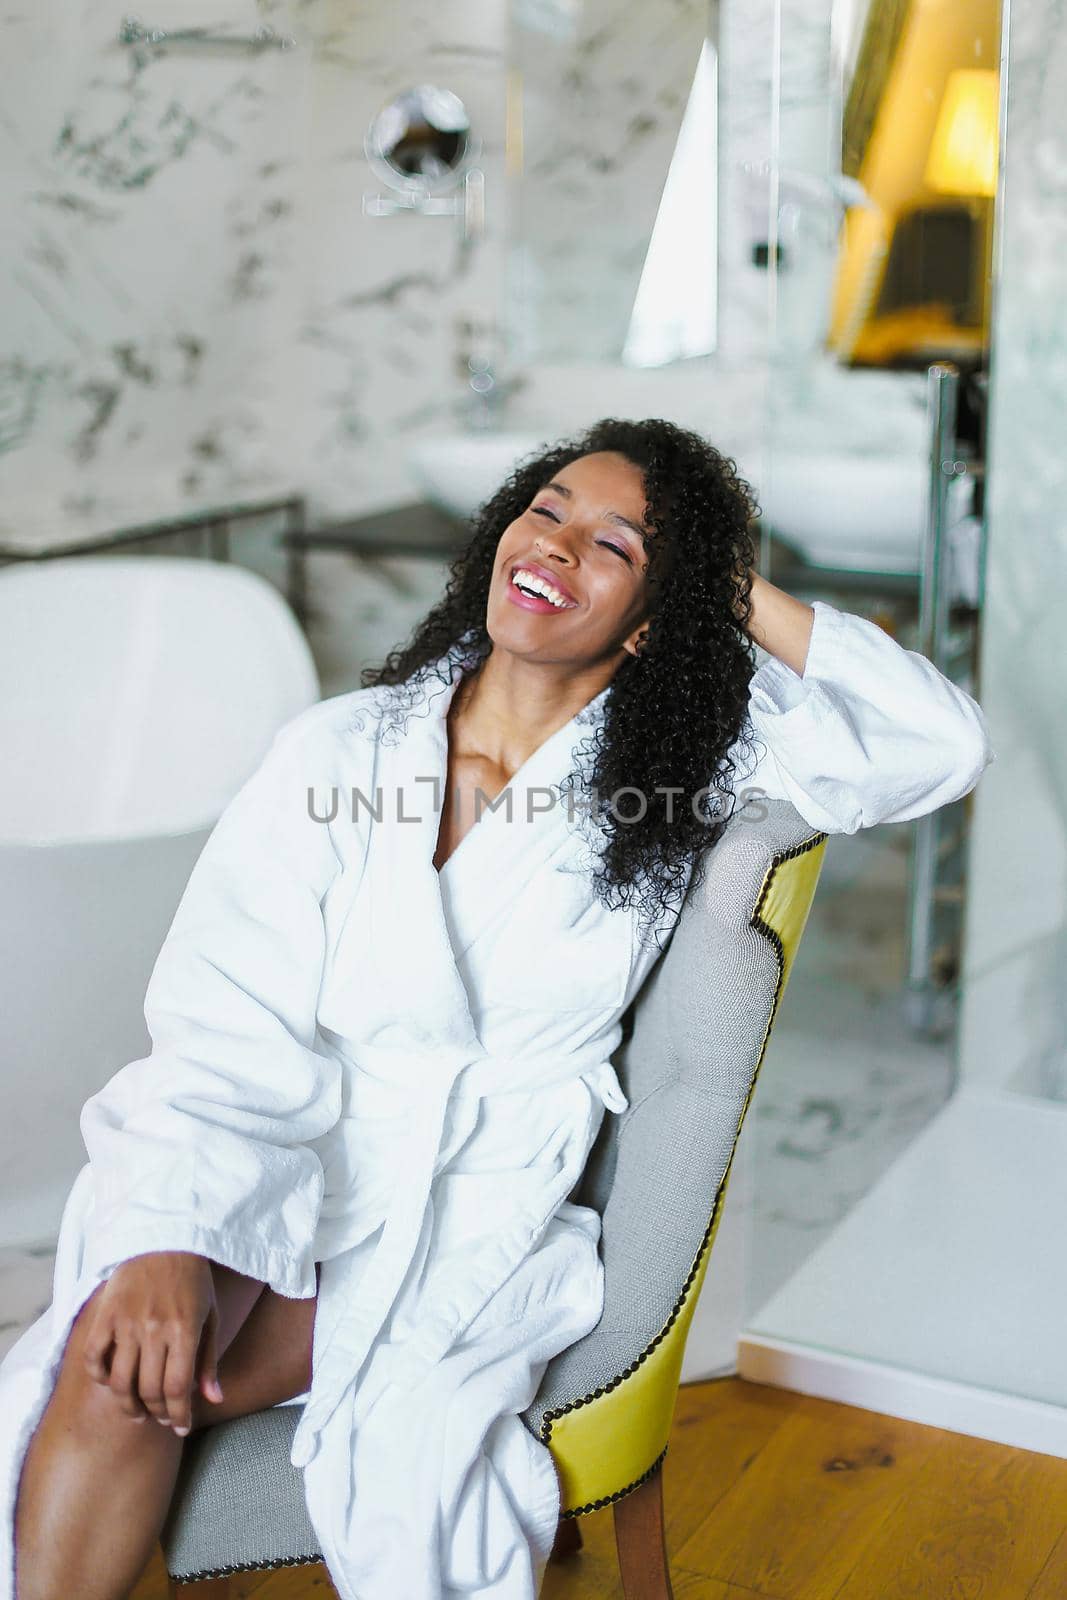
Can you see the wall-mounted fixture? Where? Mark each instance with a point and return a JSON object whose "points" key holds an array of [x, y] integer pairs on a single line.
{"points": [[132, 31], [480, 343], [422, 147]]}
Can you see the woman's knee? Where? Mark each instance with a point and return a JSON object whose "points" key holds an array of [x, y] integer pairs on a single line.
{"points": [[85, 1405], [88, 1403]]}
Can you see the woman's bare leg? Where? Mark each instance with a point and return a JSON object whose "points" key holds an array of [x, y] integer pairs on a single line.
{"points": [[268, 1361], [96, 1483]]}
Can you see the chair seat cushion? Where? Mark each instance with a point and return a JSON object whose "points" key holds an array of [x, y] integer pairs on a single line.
{"points": [[239, 1502]]}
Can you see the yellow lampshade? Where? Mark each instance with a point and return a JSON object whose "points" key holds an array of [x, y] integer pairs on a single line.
{"points": [[963, 150]]}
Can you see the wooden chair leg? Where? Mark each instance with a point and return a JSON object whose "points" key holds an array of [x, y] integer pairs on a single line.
{"points": [[641, 1542], [200, 1589], [568, 1539]]}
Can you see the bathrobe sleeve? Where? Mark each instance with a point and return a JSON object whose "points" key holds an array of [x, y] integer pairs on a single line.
{"points": [[870, 733], [201, 1146]]}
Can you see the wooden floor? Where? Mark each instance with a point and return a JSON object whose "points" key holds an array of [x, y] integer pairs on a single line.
{"points": [[780, 1496]]}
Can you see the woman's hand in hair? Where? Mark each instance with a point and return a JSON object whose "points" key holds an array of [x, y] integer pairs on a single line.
{"points": [[779, 623]]}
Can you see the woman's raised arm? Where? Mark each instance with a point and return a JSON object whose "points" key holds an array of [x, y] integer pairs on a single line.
{"points": [[201, 1146], [850, 727]]}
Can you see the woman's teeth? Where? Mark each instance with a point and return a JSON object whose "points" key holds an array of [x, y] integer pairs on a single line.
{"points": [[530, 583]]}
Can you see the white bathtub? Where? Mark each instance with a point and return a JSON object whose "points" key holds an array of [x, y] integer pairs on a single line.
{"points": [[138, 693]]}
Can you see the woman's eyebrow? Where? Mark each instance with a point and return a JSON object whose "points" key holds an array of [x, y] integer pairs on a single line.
{"points": [[610, 516]]}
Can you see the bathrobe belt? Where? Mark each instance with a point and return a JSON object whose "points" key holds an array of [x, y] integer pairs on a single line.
{"points": [[342, 1357]]}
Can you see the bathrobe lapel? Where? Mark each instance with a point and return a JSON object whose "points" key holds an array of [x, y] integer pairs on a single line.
{"points": [[439, 916], [498, 857], [417, 966]]}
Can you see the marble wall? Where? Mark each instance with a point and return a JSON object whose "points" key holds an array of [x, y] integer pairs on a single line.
{"points": [[148, 254], [195, 310], [1014, 1019]]}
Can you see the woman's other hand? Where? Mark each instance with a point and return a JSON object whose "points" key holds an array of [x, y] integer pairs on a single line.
{"points": [[150, 1318], [779, 623]]}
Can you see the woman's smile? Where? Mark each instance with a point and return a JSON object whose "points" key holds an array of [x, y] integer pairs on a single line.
{"points": [[532, 586]]}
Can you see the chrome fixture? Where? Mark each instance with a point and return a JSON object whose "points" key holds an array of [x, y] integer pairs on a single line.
{"points": [[933, 840], [134, 32], [477, 341], [421, 146], [481, 408]]}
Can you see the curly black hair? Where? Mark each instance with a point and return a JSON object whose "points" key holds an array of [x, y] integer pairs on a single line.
{"points": [[672, 714]]}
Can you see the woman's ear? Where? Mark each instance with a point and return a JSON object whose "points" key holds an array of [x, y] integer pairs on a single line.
{"points": [[635, 644]]}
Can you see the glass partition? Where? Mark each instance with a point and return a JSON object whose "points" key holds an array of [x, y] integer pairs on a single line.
{"points": [[892, 1255]]}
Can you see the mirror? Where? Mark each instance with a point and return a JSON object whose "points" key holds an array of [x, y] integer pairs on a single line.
{"points": [[885, 172], [917, 89], [420, 141], [612, 166]]}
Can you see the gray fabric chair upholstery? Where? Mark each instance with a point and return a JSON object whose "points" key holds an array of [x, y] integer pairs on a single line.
{"points": [[686, 1063], [239, 1503], [686, 1069]]}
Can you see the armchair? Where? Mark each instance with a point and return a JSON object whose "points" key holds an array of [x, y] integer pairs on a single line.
{"points": [[694, 1040]]}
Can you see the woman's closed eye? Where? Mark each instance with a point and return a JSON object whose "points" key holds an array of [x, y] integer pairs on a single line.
{"points": [[606, 543]]}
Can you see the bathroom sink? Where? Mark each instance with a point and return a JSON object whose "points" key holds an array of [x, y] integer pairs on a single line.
{"points": [[865, 513], [460, 471]]}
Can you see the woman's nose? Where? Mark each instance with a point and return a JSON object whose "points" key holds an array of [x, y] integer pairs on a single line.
{"points": [[556, 544]]}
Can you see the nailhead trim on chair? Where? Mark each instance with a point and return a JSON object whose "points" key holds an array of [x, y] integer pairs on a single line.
{"points": [[758, 923], [595, 1505], [245, 1566]]}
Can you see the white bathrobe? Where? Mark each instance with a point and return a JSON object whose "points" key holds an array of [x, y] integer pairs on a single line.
{"points": [[400, 1074]]}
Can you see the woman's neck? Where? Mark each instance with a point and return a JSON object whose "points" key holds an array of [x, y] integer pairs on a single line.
{"points": [[506, 709]]}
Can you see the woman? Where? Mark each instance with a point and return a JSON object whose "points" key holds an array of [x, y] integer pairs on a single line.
{"points": [[383, 1018]]}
